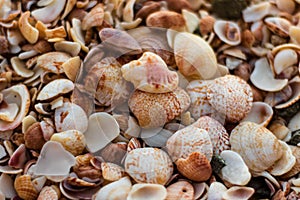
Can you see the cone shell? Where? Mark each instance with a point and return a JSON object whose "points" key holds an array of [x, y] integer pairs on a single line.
{"points": [[150, 74], [24, 187], [149, 165], [232, 96], [180, 190], [217, 133], [195, 167], [258, 147], [154, 110], [188, 140]]}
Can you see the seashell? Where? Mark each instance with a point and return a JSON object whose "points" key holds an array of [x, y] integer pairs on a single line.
{"points": [[260, 113], [94, 17], [128, 11], [48, 192], [111, 171], [284, 59], [72, 140], [278, 128], [217, 133], [17, 94], [295, 85], [77, 34], [149, 191], [188, 140], [65, 118], [133, 129], [256, 12], [71, 67], [191, 19], [56, 103], [238, 193], [25, 188], [278, 25], [224, 93], [150, 74], [216, 191], [166, 19], [147, 9], [105, 79], [102, 129], [34, 137], [30, 33], [72, 48], [38, 182], [195, 167], [296, 168], [20, 68], [52, 61], [149, 165], [180, 190], [114, 152], [2, 152], [276, 98], [112, 190], [62, 86], [294, 34], [286, 6], [7, 186], [262, 77], [229, 32], [50, 12], [285, 163], [9, 170], [19, 157], [161, 108], [69, 7], [9, 112], [235, 171], [158, 140], [206, 25], [258, 147]]}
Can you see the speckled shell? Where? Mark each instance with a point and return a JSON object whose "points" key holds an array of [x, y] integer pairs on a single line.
{"points": [[232, 96], [150, 74], [154, 110], [149, 165], [217, 133], [111, 171], [24, 188], [48, 193], [258, 147], [106, 81], [188, 140]]}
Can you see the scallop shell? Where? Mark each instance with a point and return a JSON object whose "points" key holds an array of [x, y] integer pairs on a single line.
{"points": [[150, 74], [24, 187], [188, 140], [149, 165], [180, 190], [149, 191], [154, 110], [232, 96], [195, 167], [258, 147], [194, 56], [229, 32], [217, 133]]}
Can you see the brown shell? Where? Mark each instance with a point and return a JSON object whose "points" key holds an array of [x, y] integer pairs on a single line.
{"points": [[24, 187], [33, 137], [180, 190], [195, 167], [166, 19], [154, 110]]}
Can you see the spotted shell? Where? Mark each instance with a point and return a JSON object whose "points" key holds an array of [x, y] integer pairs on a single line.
{"points": [[149, 165], [24, 187], [258, 147], [217, 133], [232, 96], [154, 110], [188, 140]]}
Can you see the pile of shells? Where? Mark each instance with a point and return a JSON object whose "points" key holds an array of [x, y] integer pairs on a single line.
{"points": [[136, 99]]}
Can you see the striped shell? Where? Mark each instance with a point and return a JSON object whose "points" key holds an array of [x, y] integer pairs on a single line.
{"points": [[154, 110], [188, 140], [149, 165], [258, 147]]}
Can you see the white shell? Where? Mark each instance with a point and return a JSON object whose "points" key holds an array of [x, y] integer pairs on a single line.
{"points": [[147, 191], [20, 68], [256, 12], [225, 29], [284, 59], [50, 12], [260, 113], [216, 191], [55, 88]]}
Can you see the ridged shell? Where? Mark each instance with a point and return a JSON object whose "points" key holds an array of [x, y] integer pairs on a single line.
{"points": [[258, 147], [150, 74], [232, 96], [217, 133], [48, 193], [25, 188], [180, 190], [148, 191], [154, 110], [188, 140], [149, 165]]}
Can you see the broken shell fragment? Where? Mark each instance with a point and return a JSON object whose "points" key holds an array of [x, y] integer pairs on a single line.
{"points": [[111, 171], [229, 32], [94, 18], [30, 33], [150, 74], [53, 61], [166, 19], [238, 193], [20, 68], [62, 86], [149, 165], [278, 25], [34, 137], [48, 192], [149, 191], [24, 187], [180, 190], [50, 12], [260, 113], [284, 59]]}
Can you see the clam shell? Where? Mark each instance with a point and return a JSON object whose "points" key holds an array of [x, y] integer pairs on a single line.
{"points": [[33, 137], [48, 193], [154, 110], [296, 168], [256, 12], [19, 157], [7, 186], [72, 140], [150, 74], [149, 191], [284, 59], [195, 167], [216, 191], [217, 133], [19, 66], [232, 96], [258, 147], [25, 188], [229, 32], [180, 190], [194, 56], [188, 140], [260, 113], [149, 165], [53, 61], [62, 86]]}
